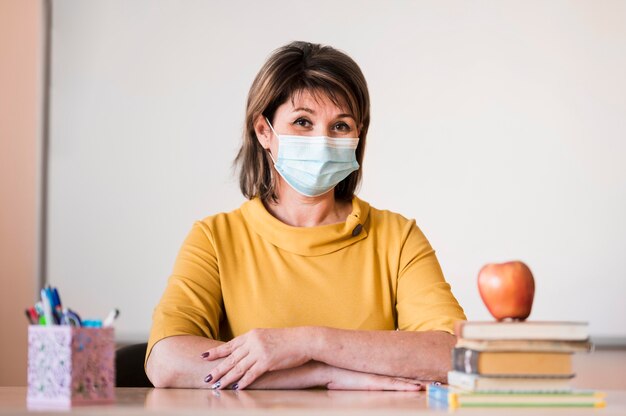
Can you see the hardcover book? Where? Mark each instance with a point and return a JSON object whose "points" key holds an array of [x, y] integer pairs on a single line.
{"points": [[522, 330], [527, 384], [454, 398], [512, 363], [525, 345]]}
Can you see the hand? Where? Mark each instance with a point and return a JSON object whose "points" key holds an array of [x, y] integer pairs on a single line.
{"points": [[249, 356], [341, 379]]}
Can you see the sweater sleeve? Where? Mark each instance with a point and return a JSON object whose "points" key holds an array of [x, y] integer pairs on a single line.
{"points": [[424, 300], [192, 301]]}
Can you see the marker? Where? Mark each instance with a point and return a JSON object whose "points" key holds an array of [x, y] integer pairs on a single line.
{"points": [[57, 298], [30, 318], [34, 317], [40, 314], [54, 304], [111, 317], [47, 307]]}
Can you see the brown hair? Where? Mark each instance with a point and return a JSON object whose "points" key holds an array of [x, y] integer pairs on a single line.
{"points": [[291, 69]]}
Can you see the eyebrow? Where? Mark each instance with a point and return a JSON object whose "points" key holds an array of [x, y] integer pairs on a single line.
{"points": [[310, 111]]}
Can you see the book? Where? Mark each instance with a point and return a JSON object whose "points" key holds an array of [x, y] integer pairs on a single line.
{"points": [[522, 330], [454, 398], [527, 384], [511, 363], [525, 345]]}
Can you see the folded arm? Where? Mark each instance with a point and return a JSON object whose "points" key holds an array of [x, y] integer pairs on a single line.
{"points": [[398, 354], [176, 362]]}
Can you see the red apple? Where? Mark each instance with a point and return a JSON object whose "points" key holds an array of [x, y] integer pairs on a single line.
{"points": [[507, 289]]}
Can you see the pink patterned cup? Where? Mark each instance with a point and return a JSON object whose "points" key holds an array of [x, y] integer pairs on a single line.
{"points": [[69, 366]]}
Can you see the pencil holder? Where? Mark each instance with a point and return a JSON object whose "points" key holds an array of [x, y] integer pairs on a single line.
{"points": [[69, 365]]}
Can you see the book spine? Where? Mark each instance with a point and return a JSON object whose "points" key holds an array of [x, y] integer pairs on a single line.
{"points": [[462, 380], [465, 360], [525, 345]]}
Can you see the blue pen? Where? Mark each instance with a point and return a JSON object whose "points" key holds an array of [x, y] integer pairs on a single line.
{"points": [[53, 294], [57, 308], [57, 298], [50, 294], [53, 305]]}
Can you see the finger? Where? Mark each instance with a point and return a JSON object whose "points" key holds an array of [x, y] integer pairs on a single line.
{"points": [[412, 381], [224, 367], [398, 384], [252, 374], [220, 351], [230, 378], [390, 383]]}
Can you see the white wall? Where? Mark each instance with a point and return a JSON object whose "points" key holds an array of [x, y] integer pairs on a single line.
{"points": [[499, 126], [21, 53]]}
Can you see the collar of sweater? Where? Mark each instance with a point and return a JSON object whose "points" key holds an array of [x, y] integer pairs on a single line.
{"points": [[308, 241]]}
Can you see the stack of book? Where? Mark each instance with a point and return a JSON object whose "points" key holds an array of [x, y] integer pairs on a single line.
{"points": [[516, 364]]}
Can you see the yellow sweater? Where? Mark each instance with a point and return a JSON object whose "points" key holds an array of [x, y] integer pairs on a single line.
{"points": [[246, 269]]}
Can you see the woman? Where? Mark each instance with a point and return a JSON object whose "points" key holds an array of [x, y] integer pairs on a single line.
{"points": [[308, 284]]}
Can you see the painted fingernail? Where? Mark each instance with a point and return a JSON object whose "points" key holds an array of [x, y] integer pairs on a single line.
{"points": [[208, 378], [216, 385], [205, 354], [235, 386]]}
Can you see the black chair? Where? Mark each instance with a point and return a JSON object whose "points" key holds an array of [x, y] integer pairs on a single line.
{"points": [[129, 371]]}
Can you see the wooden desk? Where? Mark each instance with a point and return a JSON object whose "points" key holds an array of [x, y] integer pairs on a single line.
{"points": [[305, 402], [602, 370]]}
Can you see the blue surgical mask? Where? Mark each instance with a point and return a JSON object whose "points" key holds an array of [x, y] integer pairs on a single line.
{"points": [[313, 165]]}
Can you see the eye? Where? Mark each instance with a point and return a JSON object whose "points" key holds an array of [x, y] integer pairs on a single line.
{"points": [[302, 122], [342, 126]]}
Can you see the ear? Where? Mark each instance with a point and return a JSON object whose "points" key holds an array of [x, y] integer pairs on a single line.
{"points": [[262, 130]]}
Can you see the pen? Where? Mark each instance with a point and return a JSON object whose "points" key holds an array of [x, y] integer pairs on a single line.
{"points": [[57, 298], [29, 317], [111, 317], [47, 307], [58, 305], [53, 304], [34, 316], [40, 314]]}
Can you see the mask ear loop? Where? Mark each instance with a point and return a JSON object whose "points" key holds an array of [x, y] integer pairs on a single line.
{"points": [[274, 131], [269, 152]]}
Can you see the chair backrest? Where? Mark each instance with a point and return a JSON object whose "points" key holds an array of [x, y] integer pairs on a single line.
{"points": [[129, 371]]}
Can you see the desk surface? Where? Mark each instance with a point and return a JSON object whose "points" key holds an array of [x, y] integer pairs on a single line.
{"points": [[135, 401]]}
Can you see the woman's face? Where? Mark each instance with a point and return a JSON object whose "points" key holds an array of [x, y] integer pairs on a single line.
{"points": [[307, 114]]}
